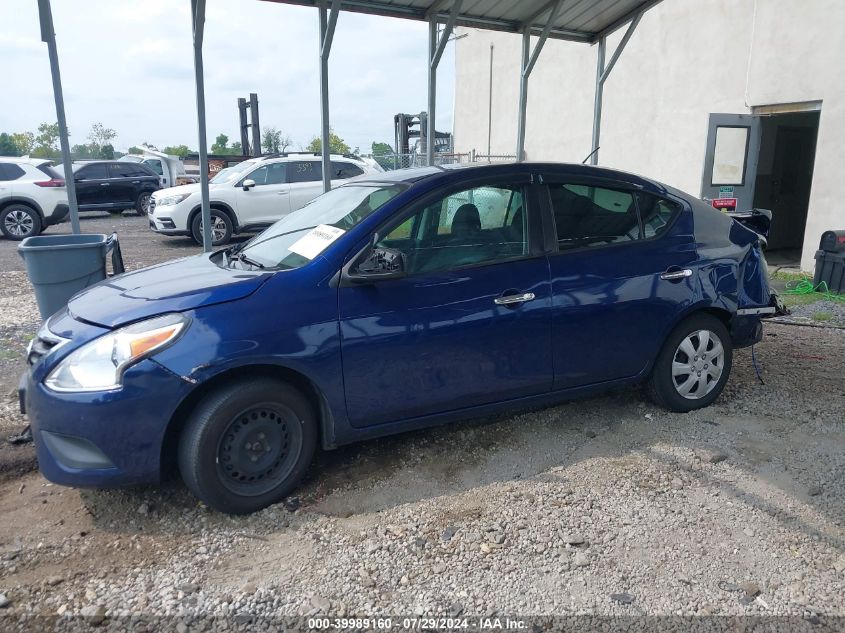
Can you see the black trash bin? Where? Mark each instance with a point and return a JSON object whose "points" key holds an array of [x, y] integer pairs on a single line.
{"points": [[830, 261], [59, 266]]}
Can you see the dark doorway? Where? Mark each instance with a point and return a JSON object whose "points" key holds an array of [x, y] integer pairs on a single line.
{"points": [[784, 177]]}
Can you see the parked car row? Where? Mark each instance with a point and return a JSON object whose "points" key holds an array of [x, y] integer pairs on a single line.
{"points": [[245, 198], [251, 196], [33, 194]]}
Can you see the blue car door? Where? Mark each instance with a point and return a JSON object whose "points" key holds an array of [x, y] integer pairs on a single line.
{"points": [[469, 323], [619, 277]]}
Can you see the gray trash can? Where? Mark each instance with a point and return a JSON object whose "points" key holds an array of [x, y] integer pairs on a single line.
{"points": [[59, 266]]}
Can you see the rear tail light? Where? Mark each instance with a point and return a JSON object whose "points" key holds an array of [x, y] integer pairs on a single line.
{"points": [[53, 182]]}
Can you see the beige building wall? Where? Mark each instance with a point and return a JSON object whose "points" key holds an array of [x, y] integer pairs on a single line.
{"points": [[687, 59]]}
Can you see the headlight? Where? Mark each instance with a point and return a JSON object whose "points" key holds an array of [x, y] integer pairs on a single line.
{"points": [[170, 201], [99, 364]]}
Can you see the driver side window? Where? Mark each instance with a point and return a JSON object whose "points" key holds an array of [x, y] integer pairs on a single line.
{"points": [[476, 226]]}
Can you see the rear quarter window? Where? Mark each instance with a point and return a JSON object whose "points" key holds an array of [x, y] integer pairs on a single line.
{"points": [[656, 213]]}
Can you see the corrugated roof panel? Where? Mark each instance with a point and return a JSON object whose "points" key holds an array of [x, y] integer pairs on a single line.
{"points": [[579, 20]]}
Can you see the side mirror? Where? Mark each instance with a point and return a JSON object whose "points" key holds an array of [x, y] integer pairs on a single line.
{"points": [[380, 263], [248, 184]]}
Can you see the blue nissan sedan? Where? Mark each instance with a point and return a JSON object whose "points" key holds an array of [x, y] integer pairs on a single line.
{"points": [[392, 303]]}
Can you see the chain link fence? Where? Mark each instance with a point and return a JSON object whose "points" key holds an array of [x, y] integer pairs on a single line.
{"points": [[404, 161]]}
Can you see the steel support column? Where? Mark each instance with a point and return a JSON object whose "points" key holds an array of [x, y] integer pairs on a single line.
{"points": [[48, 35], [436, 46], [328, 21], [198, 24], [529, 59], [602, 73]]}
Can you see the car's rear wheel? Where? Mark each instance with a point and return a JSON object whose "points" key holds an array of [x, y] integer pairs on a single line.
{"points": [[247, 445], [221, 228], [142, 205], [693, 365], [19, 221]]}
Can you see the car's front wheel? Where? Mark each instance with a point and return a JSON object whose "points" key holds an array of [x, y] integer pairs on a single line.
{"points": [[693, 366], [221, 228], [247, 445], [19, 221]]}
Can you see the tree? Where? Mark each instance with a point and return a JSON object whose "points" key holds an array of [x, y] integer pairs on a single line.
{"points": [[7, 145], [221, 145], [134, 150], [24, 141], [383, 155], [149, 145], [274, 141], [100, 137], [47, 141], [106, 151], [336, 144], [177, 150], [82, 150], [237, 150]]}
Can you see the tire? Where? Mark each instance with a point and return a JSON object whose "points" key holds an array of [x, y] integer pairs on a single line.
{"points": [[247, 445], [19, 221], [221, 228], [143, 203], [682, 381]]}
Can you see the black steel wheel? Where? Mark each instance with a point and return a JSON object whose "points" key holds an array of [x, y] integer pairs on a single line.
{"points": [[258, 449], [247, 444]]}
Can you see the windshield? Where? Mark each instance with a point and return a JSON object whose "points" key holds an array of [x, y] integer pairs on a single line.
{"points": [[226, 174], [301, 236]]}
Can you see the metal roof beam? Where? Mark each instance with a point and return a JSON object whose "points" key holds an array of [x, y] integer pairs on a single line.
{"points": [[615, 58], [618, 24]]}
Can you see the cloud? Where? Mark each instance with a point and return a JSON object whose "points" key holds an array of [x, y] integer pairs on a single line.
{"points": [[129, 64]]}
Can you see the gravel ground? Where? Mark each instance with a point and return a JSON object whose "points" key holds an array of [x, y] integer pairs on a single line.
{"points": [[828, 313], [607, 506]]}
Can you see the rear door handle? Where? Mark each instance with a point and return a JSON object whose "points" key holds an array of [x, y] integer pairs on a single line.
{"points": [[676, 275], [512, 299], [105, 184]]}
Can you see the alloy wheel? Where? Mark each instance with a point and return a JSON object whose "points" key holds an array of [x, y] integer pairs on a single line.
{"points": [[145, 203], [218, 228], [698, 364], [19, 223]]}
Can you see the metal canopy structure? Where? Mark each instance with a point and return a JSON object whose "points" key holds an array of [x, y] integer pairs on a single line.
{"points": [[586, 21]]}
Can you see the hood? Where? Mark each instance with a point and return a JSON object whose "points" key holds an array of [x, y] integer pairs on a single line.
{"points": [[175, 191], [175, 286]]}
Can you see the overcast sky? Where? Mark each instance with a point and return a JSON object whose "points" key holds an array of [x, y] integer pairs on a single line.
{"points": [[129, 65]]}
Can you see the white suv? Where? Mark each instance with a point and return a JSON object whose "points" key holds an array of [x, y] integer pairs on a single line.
{"points": [[33, 196], [252, 195]]}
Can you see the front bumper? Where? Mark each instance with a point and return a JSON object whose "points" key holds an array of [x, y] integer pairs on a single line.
{"points": [[166, 227], [104, 439]]}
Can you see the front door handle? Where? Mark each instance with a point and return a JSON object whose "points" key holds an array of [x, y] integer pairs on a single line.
{"points": [[105, 184], [513, 299], [676, 275]]}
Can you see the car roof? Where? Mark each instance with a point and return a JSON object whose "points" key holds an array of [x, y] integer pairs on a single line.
{"points": [[25, 159], [573, 170]]}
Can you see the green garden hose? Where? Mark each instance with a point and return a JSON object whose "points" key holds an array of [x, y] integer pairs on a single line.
{"points": [[806, 287]]}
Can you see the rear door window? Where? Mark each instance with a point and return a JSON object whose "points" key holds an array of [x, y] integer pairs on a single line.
{"points": [[588, 217], [304, 171], [10, 171], [95, 171]]}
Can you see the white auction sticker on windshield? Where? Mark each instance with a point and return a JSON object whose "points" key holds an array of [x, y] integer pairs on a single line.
{"points": [[315, 241]]}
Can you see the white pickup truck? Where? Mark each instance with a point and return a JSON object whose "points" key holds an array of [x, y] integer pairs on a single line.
{"points": [[170, 169]]}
